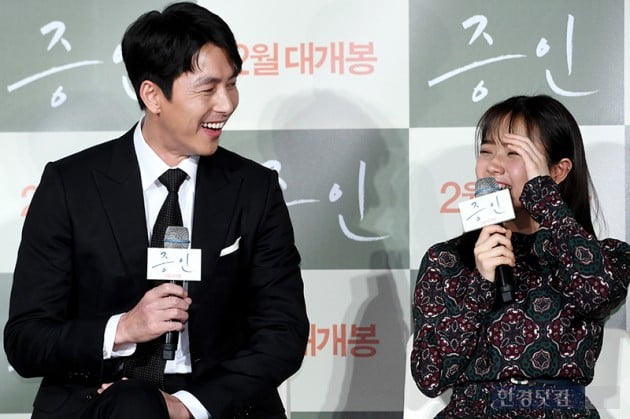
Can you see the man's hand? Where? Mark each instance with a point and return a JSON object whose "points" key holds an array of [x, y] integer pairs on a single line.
{"points": [[176, 409], [105, 386], [162, 309]]}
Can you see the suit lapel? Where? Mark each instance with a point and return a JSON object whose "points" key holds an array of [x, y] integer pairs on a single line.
{"points": [[216, 195], [121, 192]]}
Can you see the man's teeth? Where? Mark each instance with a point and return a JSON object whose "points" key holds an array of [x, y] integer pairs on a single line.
{"points": [[213, 125]]}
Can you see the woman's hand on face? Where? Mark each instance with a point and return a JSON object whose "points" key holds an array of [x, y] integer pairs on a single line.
{"points": [[493, 248], [532, 153]]}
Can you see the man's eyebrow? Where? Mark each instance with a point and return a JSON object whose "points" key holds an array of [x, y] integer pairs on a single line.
{"points": [[202, 81]]}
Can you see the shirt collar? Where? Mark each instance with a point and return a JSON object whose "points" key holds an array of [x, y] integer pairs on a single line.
{"points": [[151, 165]]}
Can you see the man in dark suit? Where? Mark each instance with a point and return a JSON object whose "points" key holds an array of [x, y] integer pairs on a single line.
{"points": [[81, 306]]}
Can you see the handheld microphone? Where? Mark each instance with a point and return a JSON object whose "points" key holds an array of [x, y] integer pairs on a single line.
{"points": [[175, 237], [503, 273]]}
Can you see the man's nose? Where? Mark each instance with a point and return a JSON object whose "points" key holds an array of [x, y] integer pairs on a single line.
{"points": [[224, 102]]}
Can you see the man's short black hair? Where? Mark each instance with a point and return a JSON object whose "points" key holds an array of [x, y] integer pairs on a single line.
{"points": [[161, 46]]}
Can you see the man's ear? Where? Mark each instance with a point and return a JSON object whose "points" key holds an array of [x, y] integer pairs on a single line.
{"points": [[560, 170], [152, 96]]}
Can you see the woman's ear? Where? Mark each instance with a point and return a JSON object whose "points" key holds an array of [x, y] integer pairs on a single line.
{"points": [[560, 170]]}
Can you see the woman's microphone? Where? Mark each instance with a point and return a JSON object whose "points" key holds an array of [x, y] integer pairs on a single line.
{"points": [[503, 273]]}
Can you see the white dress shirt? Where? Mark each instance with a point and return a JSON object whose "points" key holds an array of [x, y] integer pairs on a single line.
{"points": [[154, 192]]}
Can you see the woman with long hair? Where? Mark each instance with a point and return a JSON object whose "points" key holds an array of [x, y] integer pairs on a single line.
{"points": [[530, 357]]}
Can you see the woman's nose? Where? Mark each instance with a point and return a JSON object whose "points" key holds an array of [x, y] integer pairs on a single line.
{"points": [[496, 164]]}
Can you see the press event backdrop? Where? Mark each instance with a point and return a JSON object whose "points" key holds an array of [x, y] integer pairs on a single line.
{"points": [[366, 108]]}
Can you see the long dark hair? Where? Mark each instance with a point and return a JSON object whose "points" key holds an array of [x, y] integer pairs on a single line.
{"points": [[560, 135]]}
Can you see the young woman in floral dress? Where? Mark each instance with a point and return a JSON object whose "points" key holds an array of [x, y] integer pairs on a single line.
{"points": [[531, 357]]}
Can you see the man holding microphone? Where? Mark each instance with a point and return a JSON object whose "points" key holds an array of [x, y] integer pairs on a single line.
{"points": [[84, 316]]}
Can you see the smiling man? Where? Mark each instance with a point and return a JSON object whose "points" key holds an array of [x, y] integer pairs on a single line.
{"points": [[83, 315]]}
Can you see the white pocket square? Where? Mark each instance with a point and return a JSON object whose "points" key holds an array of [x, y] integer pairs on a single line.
{"points": [[231, 248]]}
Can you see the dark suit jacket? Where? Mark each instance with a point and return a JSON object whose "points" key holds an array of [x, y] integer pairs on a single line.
{"points": [[82, 258]]}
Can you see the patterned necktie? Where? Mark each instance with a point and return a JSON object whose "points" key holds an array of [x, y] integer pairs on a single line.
{"points": [[170, 214], [147, 363]]}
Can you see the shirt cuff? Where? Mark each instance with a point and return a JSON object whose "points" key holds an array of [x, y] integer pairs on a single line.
{"points": [[194, 406], [110, 336]]}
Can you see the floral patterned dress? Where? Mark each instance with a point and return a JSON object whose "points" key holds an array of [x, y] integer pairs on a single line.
{"points": [[566, 283]]}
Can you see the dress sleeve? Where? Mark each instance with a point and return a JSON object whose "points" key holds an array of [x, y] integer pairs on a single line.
{"points": [[592, 275], [448, 308]]}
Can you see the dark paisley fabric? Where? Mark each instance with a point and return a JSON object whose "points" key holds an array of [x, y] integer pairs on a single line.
{"points": [[566, 284]]}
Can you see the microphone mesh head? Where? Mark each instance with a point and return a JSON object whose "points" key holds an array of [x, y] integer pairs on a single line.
{"points": [[485, 186], [176, 237]]}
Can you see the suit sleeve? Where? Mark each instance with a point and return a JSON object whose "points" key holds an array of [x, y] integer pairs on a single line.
{"points": [[276, 322], [43, 336]]}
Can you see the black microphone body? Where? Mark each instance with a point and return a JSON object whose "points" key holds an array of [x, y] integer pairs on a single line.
{"points": [[504, 279], [503, 273], [175, 237]]}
